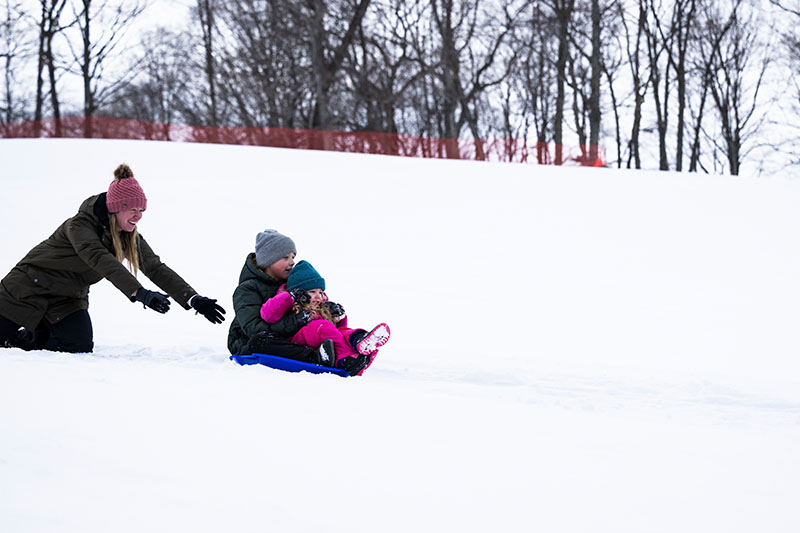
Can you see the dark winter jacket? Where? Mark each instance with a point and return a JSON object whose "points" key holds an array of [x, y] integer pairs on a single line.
{"points": [[255, 288], [53, 280]]}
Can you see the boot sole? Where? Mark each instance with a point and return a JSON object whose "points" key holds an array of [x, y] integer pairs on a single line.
{"points": [[374, 339]]}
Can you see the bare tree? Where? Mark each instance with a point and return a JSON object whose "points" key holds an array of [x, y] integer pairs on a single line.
{"points": [[681, 29], [263, 65], [791, 42], [537, 93], [595, 50], [162, 91], [470, 36], [326, 57], [594, 99], [563, 10], [110, 19], [739, 65], [658, 44], [281, 61], [578, 81], [448, 20], [488, 70], [49, 27], [383, 66], [710, 35], [206, 13], [638, 76], [668, 35], [534, 76], [612, 62], [13, 49]]}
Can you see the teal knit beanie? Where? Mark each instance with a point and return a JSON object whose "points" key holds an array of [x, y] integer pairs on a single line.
{"points": [[304, 276]]}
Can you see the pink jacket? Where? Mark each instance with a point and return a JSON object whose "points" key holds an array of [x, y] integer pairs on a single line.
{"points": [[273, 309], [313, 333], [276, 307]]}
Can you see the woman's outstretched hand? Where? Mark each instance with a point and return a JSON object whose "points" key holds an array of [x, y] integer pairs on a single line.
{"points": [[154, 300], [208, 308]]}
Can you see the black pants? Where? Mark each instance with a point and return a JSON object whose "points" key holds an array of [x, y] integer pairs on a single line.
{"points": [[73, 334], [263, 343], [8, 332]]}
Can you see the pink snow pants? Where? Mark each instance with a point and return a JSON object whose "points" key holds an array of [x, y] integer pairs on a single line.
{"points": [[316, 331]]}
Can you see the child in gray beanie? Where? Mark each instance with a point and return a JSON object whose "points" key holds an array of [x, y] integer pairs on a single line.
{"points": [[263, 273]]}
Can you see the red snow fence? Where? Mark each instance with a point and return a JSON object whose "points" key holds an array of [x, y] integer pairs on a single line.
{"points": [[503, 150]]}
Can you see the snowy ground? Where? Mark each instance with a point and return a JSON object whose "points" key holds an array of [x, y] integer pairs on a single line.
{"points": [[573, 350]]}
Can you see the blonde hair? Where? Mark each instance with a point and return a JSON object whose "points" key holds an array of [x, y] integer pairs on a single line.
{"points": [[316, 312], [125, 245]]}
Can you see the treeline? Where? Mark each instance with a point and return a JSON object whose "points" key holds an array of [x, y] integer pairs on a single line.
{"points": [[682, 84]]}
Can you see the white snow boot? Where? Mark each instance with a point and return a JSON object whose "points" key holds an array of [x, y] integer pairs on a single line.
{"points": [[373, 340]]}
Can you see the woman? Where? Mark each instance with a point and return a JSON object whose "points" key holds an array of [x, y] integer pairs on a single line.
{"points": [[44, 300]]}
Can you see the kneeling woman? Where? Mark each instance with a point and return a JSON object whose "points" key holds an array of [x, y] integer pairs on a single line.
{"points": [[44, 300]]}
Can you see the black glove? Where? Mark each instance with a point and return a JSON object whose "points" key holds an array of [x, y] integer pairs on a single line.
{"points": [[300, 296], [154, 300], [303, 318], [336, 310], [208, 308]]}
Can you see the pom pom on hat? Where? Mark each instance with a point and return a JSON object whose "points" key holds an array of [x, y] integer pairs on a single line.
{"points": [[125, 192], [271, 246], [304, 276]]}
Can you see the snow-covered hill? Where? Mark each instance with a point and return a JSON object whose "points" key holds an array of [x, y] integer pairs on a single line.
{"points": [[572, 350]]}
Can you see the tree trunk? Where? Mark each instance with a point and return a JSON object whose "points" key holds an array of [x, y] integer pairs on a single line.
{"points": [[594, 98], [51, 70], [205, 10], [450, 78], [325, 70], [563, 11], [88, 97], [683, 20], [37, 115]]}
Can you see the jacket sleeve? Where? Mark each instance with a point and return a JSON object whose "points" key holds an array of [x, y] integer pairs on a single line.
{"points": [[247, 302], [273, 309], [82, 234], [164, 277]]}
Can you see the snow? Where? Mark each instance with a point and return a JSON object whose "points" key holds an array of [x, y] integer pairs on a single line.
{"points": [[572, 350]]}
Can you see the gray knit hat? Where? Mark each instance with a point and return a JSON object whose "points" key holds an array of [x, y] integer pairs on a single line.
{"points": [[271, 246]]}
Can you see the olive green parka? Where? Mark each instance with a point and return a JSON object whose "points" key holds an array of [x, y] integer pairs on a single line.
{"points": [[53, 280], [255, 288]]}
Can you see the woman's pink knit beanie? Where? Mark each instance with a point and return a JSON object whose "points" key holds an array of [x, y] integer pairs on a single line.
{"points": [[125, 192]]}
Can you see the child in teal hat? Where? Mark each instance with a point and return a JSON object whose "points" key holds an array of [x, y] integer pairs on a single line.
{"points": [[304, 296]]}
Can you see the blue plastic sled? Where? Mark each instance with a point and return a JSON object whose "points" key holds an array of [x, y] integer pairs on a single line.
{"points": [[288, 365]]}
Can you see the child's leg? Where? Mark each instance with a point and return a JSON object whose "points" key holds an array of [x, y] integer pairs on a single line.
{"points": [[263, 343], [352, 336], [316, 331]]}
